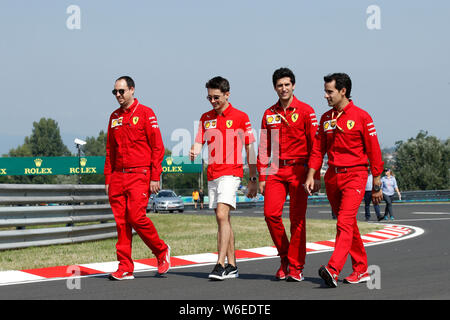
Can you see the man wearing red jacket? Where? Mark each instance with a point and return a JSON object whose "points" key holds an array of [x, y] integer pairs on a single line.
{"points": [[134, 152], [347, 134], [287, 133]]}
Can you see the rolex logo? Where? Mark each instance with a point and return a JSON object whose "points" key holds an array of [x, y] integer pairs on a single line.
{"points": [[83, 161], [169, 161], [38, 162]]}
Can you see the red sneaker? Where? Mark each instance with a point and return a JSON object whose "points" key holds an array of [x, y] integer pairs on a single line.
{"points": [[357, 277], [282, 271], [295, 275], [121, 275], [329, 275], [164, 261]]}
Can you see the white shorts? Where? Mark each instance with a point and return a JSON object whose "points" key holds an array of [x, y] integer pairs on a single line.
{"points": [[223, 189]]}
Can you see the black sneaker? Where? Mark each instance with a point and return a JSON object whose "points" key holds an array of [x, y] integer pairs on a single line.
{"points": [[231, 272], [218, 272]]}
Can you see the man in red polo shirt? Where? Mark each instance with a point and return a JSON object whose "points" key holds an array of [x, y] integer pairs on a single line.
{"points": [[287, 133], [347, 134], [134, 152], [226, 130]]}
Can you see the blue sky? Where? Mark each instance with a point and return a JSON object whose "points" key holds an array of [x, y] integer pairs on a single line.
{"points": [[400, 72]]}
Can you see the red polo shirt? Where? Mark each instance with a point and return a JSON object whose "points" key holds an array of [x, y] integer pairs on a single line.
{"points": [[292, 129], [349, 141], [134, 140], [225, 134]]}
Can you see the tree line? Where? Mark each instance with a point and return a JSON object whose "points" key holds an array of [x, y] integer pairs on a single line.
{"points": [[420, 163]]}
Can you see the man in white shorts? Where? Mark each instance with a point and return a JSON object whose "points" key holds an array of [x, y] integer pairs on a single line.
{"points": [[226, 130]]}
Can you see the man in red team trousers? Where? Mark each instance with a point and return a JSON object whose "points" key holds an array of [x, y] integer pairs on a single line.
{"points": [[287, 133], [134, 152], [347, 134], [226, 130]]}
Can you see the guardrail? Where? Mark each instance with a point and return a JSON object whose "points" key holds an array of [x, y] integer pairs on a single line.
{"points": [[25, 208], [28, 205]]}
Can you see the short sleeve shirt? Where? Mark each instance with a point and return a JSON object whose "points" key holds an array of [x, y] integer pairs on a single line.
{"points": [[225, 134]]}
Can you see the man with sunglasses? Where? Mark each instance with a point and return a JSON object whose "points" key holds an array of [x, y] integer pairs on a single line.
{"points": [[226, 130], [287, 133], [347, 134], [134, 152]]}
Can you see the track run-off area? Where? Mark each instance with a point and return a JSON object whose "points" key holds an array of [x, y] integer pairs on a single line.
{"points": [[408, 259]]}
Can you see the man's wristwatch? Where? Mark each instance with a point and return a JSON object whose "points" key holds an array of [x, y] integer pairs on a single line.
{"points": [[252, 179], [376, 188]]}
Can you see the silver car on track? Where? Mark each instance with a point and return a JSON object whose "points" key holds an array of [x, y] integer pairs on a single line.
{"points": [[165, 200]]}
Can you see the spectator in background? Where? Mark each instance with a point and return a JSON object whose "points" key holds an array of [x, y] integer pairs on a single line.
{"points": [[201, 198], [195, 198], [368, 199], [389, 187]]}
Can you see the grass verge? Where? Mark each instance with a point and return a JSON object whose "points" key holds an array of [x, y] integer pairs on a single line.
{"points": [[186, 234]]}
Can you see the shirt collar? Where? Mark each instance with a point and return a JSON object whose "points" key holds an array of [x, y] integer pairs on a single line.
{"points": [[348, 107], [293, 104], [226, 111], [131, 108]]}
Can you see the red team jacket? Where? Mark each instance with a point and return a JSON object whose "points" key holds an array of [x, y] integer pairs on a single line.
{"points": [[293, 131], [350, 141], [134, 140], [225, 134]]}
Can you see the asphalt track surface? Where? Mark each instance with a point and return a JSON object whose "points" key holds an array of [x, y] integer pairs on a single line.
{"points": [[416, 268]]}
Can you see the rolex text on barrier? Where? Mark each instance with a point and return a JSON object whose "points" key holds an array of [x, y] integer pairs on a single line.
{"points": [[51, 165], [85, 165]]}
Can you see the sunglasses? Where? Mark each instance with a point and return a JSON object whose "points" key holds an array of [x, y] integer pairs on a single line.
{"points": [[120, 91], [211, 98]]}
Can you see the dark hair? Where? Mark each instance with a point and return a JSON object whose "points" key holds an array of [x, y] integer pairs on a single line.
{"points": [[283, 73], [128, 80], [342, 81], [218, 83]]}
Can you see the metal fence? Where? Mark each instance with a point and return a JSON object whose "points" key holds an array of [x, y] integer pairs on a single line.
{"points": [[35, 215], [27, 213]]}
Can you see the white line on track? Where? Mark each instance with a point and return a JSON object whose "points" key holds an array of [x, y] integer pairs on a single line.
{"points": [[429, 212]]}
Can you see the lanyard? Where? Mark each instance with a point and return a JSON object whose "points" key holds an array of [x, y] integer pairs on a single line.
{"points": [[334, 120], [282, 117]]}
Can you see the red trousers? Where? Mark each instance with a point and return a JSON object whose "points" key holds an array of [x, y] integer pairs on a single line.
{"points": [[288, 180], [345, 192], [128, 196]]}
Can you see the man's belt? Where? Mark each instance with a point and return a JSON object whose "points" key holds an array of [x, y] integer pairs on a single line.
{"points": [[348, 169], [291, 162], [143, 170]]}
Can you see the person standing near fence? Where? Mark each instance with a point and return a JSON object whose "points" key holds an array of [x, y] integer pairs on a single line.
{"points": [[347, 134], [368, 199], [389, 187], [134, 153], [226, 130], [195, 196]]}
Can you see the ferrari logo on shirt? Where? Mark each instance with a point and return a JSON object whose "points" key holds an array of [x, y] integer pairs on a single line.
{"points": [[350, 124], [294, 117], [229, 123], [135, 120]]}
